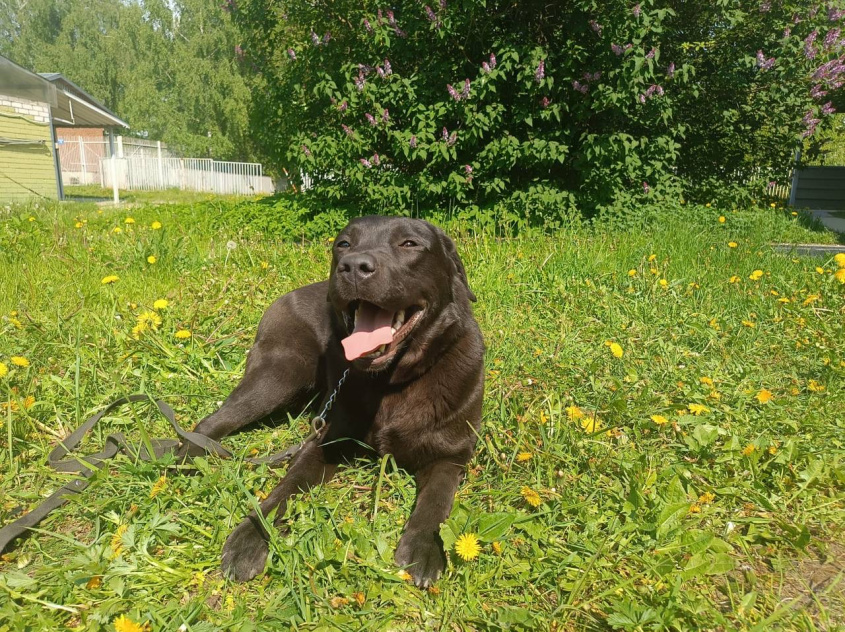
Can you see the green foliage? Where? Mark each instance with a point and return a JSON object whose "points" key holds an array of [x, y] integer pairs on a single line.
{"points": [[609, 103], [725, 519], [171, 69]]}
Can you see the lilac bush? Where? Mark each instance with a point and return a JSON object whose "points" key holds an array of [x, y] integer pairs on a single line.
{"points": [[583, 104]]}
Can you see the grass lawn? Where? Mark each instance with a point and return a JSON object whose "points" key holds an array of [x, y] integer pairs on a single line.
{"points": [[663, 441]]}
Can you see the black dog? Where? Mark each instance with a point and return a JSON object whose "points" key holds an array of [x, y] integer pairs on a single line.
{"points": [[395, 312]]}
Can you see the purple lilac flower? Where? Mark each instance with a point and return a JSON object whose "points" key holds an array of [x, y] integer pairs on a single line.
{"points": [[616, 48], [765, 7], [291, 54], [413, 142], [370, 119], [315, 39], [388, 69], [817, 93], [306, 151], [787, 32], [540, 73], [444, 134], [592, 76], [380, 71], [375, 160], [670, 71], [809, 48], [650, 54], [596, 26], [485, 67], [465, 91], [379, 17], [763, 63], [468, 169], [452, 138], [385, 116], [442, 4], [660, 91], [492, 60], [360, 81], [796, 19], [544, 102], [583, 88], [452, 92], [810, 123], [641, 98], [834, 14], [365, 162], [830, 38], [390, 19], [399, 32], [637, 10], [628, 46], [429, 12], [326, 37], [368, 26], [342, 107], [349, 131], [828, 109], [646, 188]]}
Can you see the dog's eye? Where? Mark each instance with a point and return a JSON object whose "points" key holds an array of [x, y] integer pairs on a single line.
{"points": [[342, 244], [408, 243]]}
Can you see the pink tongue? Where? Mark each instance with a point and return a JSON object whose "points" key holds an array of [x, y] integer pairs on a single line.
{"points": [[372, 329]]}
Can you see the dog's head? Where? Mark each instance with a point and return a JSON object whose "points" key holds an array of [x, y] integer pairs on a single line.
{"points": [[397, 286]]}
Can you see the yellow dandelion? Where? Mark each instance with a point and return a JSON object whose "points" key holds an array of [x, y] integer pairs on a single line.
{"points": [[497, 547], [543, 418], [117, 230], [632, 273], [574, 412], [773, 205], [4, 370], [812, 385], [95, 582], [652, 257], [721, 219], [783, 299], [764, 396], [819, 270], [839, 259], [749, 449], [404, 575], [706, 380], [31, 218], [734, 279], [654, 271], [79, 224], [707, 205], [112, 278], [160, 304], [129, 220], [706, 498], [19, 361], [29, 402], [732, 244], [151, 259], [359, 598], [531, 497], [839, 275], [773, 448], [158, 486], [756, 275], [138, 329], [810, 299], [467, 547], [698, 409], [660, 420], [116, 540], [155, 225], [664, 283], [591, 423], [264, 265], [615, 349], [695, 508], [522, 457], [748, 323], [125, 624], [338, 602], [182, 334], [149, 319]]}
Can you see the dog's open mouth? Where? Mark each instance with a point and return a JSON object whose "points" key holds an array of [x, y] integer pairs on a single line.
{"points": [[377, 332]]}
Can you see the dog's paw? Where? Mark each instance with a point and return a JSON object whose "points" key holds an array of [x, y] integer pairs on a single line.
{"points": [[245, 551], [422, 554]]}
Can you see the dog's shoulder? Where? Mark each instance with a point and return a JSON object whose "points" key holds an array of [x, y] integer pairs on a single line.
{"points": [[303, 312]]}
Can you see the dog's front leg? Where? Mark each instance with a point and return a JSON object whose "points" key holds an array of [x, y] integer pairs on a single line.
{"points": [[420, 548], [246, 548]]}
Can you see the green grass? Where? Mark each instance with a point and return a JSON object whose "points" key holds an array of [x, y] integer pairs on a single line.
{"points": [[730, 519]]}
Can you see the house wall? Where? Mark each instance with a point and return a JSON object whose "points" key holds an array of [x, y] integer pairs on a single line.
{"points": [[27, 169], [821, 188]]}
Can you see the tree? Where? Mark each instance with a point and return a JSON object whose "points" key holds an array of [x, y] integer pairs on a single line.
{"points": [[171, 69]]}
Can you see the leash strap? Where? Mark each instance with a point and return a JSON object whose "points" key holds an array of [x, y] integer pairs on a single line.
{"points": [[116, 443]]}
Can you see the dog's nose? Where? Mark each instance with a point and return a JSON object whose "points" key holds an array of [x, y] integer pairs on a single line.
{"points": [[357, 265]]}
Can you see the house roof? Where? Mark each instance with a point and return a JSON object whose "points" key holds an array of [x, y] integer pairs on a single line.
{"points": [[17, 81], [77, 108]]}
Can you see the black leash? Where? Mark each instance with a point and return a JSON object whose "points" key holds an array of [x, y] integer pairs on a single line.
{"points": [[117, 443]]}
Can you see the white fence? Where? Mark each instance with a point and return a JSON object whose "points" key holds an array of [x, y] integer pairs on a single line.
{"points": [[151, 166]]}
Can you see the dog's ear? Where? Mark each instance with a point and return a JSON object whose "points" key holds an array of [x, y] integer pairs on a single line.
{"points": [[452, 254]]}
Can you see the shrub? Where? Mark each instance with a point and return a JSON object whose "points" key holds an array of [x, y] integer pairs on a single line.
{"points": [[468, 103]]}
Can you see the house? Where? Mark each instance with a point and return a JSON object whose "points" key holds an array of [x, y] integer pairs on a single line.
{"points": [[32, 109]]}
